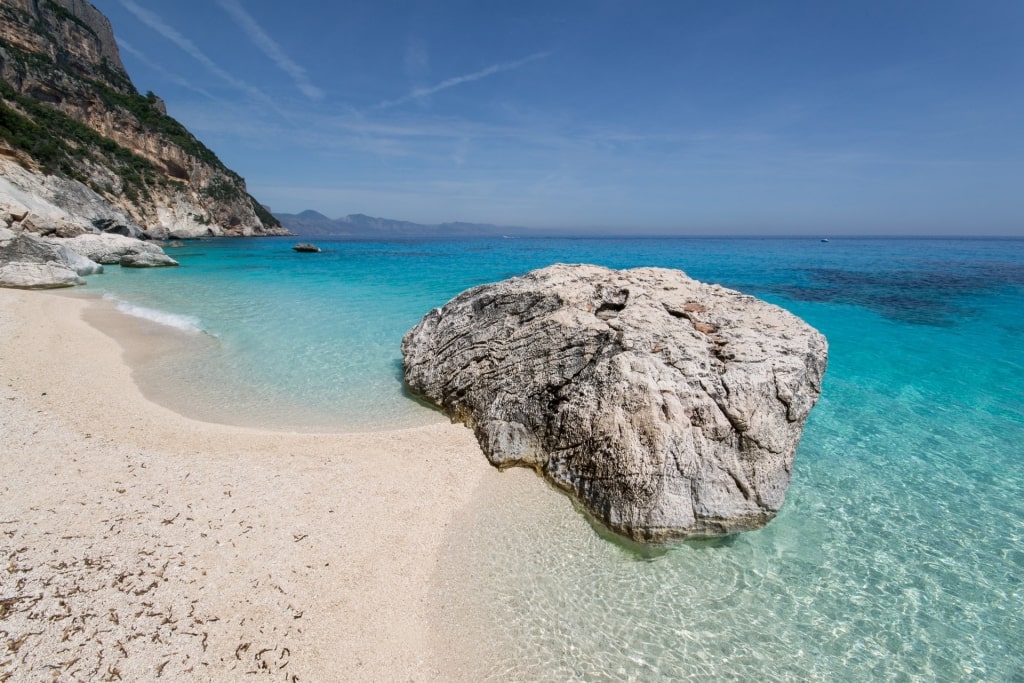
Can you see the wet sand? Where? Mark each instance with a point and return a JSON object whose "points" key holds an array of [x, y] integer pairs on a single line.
{"points": [[137, 544]]}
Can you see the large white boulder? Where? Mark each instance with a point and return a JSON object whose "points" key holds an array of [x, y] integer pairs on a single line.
{"points": [[22, 275], [31, 262], [667, 407], [112, 249]]}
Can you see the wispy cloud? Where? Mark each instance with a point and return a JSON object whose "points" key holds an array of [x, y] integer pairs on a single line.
{"points": [[417, 59], [174, 78], [418, 93], [155, 22], [270, 48]]}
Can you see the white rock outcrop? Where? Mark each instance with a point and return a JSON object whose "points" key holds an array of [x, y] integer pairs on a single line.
{"points": [[30, 262], [146, 259], [111, 249], [21, 275], [667, 407], [78, 263], [53, 205]]}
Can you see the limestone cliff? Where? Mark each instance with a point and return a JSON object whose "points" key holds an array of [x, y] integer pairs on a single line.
{"points": [[68, 108]]}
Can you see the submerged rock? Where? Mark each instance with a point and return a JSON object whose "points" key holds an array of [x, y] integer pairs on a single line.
{"points": [[668, 407]]}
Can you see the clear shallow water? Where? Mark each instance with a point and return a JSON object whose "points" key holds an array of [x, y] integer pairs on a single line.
{"points": [[899, 554]]}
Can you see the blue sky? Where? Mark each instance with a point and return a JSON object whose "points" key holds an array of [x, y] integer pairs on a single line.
{"points": [[731, 117]]}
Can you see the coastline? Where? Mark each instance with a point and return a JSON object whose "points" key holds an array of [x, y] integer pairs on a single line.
{"points": [[140, 543], [174, 363]]}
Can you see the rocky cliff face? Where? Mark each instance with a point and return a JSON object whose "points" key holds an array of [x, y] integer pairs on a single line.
{"points": [[68, 108]]}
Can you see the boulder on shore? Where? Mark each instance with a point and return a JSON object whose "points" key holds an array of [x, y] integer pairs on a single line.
{"points": [[23, 275], [31, 262], [111, 249], [75, 261], [667, 407], [28, 261]]}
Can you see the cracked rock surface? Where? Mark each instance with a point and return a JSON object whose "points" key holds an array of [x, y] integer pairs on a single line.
{"points": [[669, 408]]}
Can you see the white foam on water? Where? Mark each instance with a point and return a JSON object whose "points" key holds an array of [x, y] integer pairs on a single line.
{"points": [[185, 323]]}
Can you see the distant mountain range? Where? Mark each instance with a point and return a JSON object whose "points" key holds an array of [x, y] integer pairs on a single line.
{"points": [[315, 224]]}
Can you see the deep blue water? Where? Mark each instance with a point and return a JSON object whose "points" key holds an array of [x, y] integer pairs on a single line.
{"points": [[899, 554]]}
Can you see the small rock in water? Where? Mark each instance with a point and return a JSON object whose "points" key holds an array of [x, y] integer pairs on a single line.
{"points": [[306, 247], [668, 407], [147, 260]]}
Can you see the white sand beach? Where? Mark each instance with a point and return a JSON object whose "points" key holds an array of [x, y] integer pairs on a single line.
{"points": [[137, 544]]}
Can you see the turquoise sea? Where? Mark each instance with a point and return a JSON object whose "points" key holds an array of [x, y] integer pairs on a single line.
{"points": [[899, 555]]}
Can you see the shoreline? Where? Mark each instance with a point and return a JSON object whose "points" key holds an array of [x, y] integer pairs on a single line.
{"points": [[142, 543], [162, 359]]}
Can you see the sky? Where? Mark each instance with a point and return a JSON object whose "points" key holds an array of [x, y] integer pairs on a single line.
{"points": [[706, 117]]}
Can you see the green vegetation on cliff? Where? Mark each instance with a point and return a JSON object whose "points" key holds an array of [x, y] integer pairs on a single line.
{"points": [[60, 144], [153, 120], [65, 15], [142, 107], [263, 213]]}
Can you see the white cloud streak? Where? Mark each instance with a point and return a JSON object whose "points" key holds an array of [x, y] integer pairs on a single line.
{"points": [[155, 22], [174, 78], [418, 93], [270, 48]]}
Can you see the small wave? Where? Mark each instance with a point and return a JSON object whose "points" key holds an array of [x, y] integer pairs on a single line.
{"points": [[186, 323]]}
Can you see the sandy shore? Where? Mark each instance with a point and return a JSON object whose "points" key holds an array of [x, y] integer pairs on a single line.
{"points": [[137, 544]]}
